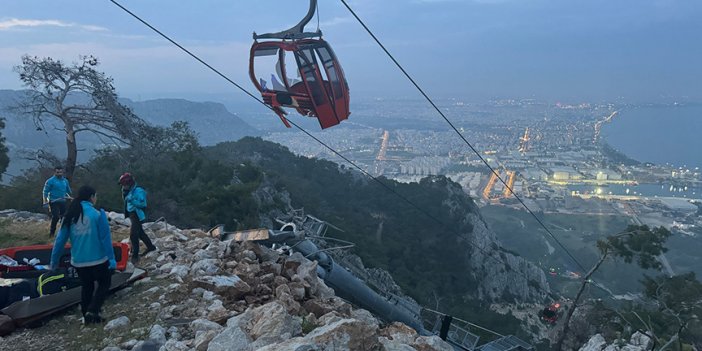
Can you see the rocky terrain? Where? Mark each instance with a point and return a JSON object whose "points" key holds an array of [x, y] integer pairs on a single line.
{"points": [[207, 294], [637, 342]]}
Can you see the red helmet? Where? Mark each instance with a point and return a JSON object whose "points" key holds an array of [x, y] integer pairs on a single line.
{"points": [[126, 179]]}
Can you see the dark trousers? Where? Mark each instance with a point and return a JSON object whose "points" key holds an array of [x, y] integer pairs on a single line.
{"points": [[91, 299], [58, 210], [136, 232]]}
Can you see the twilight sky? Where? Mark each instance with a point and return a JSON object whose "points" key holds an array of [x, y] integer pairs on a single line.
{"points": [[642, 50]]}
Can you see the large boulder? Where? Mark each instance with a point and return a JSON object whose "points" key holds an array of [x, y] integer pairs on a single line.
{"points": [[400, 333], [231, 338], [267, 324], [344, 334]]}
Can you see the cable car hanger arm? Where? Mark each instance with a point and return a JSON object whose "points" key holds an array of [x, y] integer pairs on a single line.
{"points": [[297, 31]]}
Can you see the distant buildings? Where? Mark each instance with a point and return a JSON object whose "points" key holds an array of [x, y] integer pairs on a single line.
{"points": [[564, 173]]}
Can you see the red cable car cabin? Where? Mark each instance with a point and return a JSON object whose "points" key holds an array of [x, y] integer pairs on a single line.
{"points": [[306, 76]]}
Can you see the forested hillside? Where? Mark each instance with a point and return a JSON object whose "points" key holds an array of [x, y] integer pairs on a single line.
{"points": [[438, 248]]}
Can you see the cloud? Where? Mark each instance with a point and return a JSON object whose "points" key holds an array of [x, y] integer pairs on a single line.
{"points": [[144, 69], [12, 23]]}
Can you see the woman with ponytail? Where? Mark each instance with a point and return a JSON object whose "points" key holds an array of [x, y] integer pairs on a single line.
{"points": [[91, 251]]}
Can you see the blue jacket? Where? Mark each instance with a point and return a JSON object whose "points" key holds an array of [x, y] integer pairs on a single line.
{"points": [[135, 201], [91, 242], [56, 189]]}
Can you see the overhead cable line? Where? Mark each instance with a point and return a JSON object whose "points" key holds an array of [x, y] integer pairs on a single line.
{"points": [[546, 292], [465, 140], [492, 170]]}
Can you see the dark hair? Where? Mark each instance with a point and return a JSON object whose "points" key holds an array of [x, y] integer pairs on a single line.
{"points": [[57, 168], [75, 210]]}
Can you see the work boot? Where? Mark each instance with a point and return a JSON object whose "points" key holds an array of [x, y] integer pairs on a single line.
{"points": [[149, 249], [92, 318]]}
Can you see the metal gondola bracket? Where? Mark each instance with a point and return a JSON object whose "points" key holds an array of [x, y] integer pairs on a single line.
{"points": [[297, 31]]}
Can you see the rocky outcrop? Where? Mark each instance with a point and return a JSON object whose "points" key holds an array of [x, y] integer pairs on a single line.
{"points": [[502, 276], [637, 342], [23, 216], [242, 296]]}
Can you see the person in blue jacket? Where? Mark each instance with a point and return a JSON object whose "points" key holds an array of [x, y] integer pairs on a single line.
{"points": [[134, 205], [92, 254], [56, 192]]}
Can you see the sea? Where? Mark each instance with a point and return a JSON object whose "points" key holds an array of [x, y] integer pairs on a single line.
{"points": [[670, 134], [662, 135]]}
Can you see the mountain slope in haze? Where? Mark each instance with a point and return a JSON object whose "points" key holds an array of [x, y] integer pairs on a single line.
{"points": [[211, 121], [439, 251]]}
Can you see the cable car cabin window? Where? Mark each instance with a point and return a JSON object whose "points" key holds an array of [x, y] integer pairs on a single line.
{"points": [[308, 66], [330, 67], [267, 69], [291, 69]]}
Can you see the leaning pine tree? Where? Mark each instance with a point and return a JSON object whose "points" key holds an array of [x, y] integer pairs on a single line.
{"points": [[637, 243], [75, 98]]}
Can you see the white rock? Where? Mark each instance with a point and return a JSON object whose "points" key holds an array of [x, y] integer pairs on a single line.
{"points": [[166, 268], [394, 345], [596, 343], [117, 323], [204, 325], [640, 339], [147, 345], [142, 281], [202, 340], [208, 266], [128, 345], [231, 286], [401, 333], [366, 317], [215, 305], [153, 290], [158, 334], [202, 254], [174, 345], [231, 338], [208, 295], [180, 271]]}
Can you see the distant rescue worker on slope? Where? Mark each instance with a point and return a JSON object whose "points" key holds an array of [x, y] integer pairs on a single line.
{"points": [[134, 205], [56, 192], [91, 251]]}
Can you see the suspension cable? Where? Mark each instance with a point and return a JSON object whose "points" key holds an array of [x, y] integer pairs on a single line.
{"points": [[346, 159], [492, 170]]}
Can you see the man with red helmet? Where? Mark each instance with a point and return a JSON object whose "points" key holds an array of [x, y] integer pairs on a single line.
{"points": [[134, 205]]}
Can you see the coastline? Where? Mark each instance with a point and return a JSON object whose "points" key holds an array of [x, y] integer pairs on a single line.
{"points": [[662, 135]]}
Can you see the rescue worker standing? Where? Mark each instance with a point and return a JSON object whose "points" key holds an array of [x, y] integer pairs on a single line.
{"points": [[56, 192], [91, 251], [134, 205]]}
